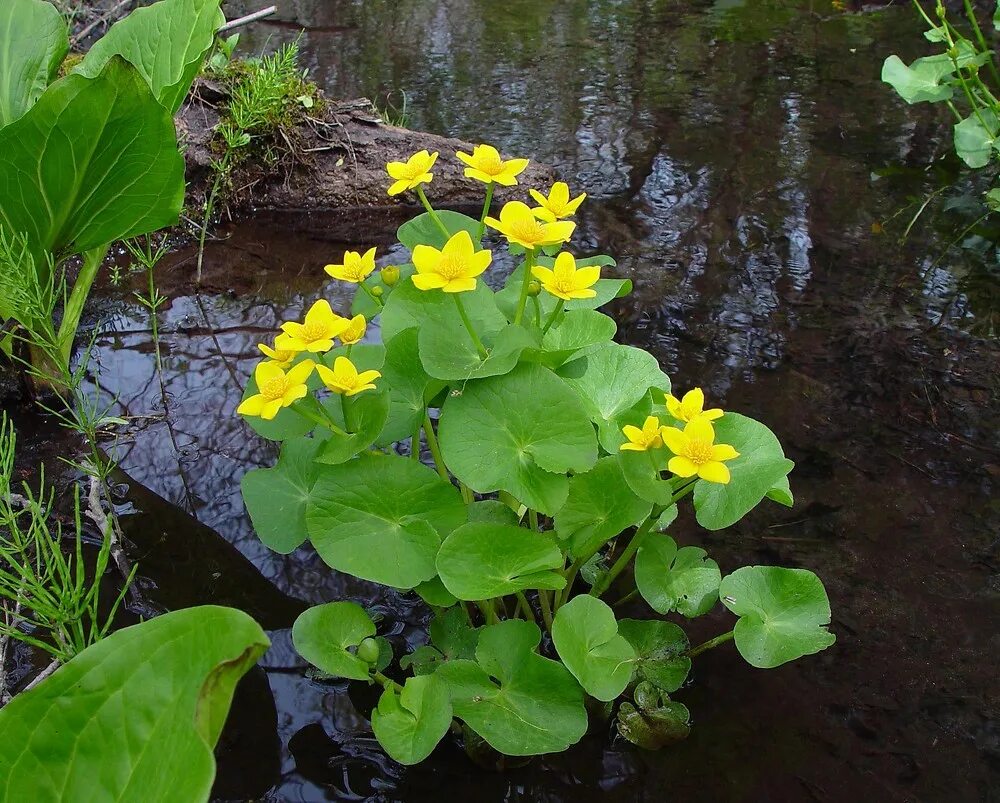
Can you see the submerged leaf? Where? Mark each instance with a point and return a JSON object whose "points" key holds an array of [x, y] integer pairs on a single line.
{"points": [[660, 648]]}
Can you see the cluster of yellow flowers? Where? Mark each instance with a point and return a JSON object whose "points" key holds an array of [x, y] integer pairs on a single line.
{"points": [[279, 385], [694, 448]]}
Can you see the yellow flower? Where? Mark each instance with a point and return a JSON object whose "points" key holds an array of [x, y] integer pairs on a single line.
{"points": [[691, 407], [276, 389], [356, 267], [565, 280], [697, 453], [411, 173], [519, 225], [558, 205], [485, 165], [453, 269], [354, 331], [280, 353], [316, 334], [344, 378], [639, 440]]}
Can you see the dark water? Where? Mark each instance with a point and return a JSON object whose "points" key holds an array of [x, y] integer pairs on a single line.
{"points": [[733, 153]]}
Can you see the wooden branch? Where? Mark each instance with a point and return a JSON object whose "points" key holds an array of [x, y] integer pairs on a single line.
{"points": [[239, 23]]}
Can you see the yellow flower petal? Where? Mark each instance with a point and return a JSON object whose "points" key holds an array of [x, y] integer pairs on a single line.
{"points": [[682, 467], [293, 394], [713, 414], [265, 372], [252, 405], [461, 285], [673, 405], [428, 281], [300, 372], [700, 430], [714, 472], [270, 409], [723, 451], [634, 434], [675, 440]]}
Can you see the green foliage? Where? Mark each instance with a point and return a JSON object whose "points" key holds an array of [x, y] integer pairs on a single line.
{"points": [[550, 474], [34, 44], [133, 717]]}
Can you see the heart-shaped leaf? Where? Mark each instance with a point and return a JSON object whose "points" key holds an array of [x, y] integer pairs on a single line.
{"points": [[520, 433], [410, 307], [381, 518], [482, 560], [422, 230], [533, 706], [759, 468], [448, 353], [34, 44], [671, 579], [166, 42], [410, 385], [323, 634], [922, 81], [599, 506], [108, 175], [586, 637], [576, 334], [144, 704], [660, 648], [276, 498], [641, 471], [410, 722], [361, 417], [783, 613]]}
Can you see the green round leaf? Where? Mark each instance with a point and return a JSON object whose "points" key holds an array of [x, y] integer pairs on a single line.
{"points": [[423, 230], [144, 704], [276, 498], [322, 635], [660, 648], [576, 334], [611, 379], [599, 506], [434, 593], [672, 579], [759, 468], [492, 511], [410, 723], [521, 703], [366, 415], [641, 471], [448, 353], [586, 637], [481, 561], [381, 517], [654, 727], [521, 433], [410, 387], [783, 613], [921, 81]]}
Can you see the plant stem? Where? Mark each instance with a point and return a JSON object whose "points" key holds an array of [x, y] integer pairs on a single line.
{"points": [[533, 519], [623, 560], [529, 261], [435, 450], [543, 600], [526, 607], [311, 416], [981, 40], [553, 316], [386, 683], [486, 211], [538, 310], [628, 597], [209, 206], [430, 211], [483, 353], [712, 642], [343, 409], [73, 310], [570, 573], [415, 445], [467, 496], [371, 295], [488, 611]]}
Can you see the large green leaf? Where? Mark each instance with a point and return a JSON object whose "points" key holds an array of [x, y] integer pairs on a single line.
{"points": [[586, 637], [976, 137], [276, 498], [93, 161], [482, 560], [166, 42], [323, 635], [381, 518], [520, 433], [518, 701], [423, 230], [410, 386], [34, 43], [599, 506], [922, 81], [410, 722], [362, 418], [671, 579], [660, 652], [760, 467], [579, 332], [642, 473], [134, 717], [611, 379], [783, 613], [409, 306]]}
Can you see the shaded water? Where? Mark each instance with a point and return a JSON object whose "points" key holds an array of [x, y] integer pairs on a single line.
{"points": [[730, 152]]}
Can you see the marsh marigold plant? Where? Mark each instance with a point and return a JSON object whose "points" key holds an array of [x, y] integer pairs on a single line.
{"points": [[496, 454]]}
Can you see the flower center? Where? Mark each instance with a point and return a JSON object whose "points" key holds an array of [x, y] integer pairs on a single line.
{"points": [[491, 165], [564, 284], [451, 267], [699, 452], [274, 388], [313, 330], [527, 229], [414, 170]]}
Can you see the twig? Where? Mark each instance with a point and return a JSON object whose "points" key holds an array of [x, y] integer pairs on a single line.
{"points": [[256, 15], [45, 673], [9, 619], [112, 12], [96, 514]]}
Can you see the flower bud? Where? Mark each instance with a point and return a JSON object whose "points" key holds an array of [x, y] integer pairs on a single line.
{"points": [[368, 651], [390, 275], [534, 288], [377, 291]]}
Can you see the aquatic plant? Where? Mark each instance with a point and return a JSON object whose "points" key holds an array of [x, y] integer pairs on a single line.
{"points": [[560, 459], [92, 157], [964, 76]]}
